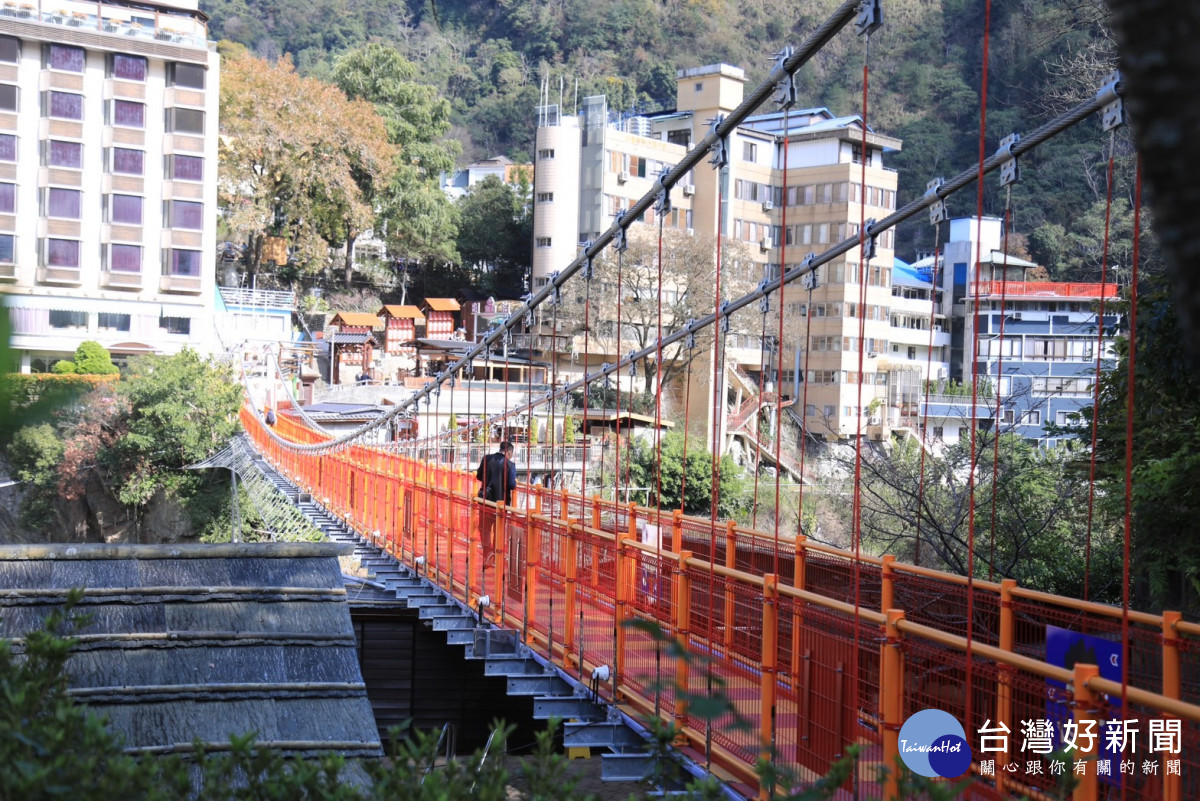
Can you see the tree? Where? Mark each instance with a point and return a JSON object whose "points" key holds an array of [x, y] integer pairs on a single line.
{"points": [[569, 430], [297, 159], [688, 486], [495, 235], [91, 358], [415, 218], [629, 290], [533, 430], [1039, 531], [1166, 453], [181, 409]]}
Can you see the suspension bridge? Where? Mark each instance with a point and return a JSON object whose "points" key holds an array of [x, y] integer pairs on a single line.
{"points": [[819, 652]]}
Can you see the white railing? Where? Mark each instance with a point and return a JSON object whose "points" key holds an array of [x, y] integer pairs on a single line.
{"points": [[177, 29], [258, 298]]}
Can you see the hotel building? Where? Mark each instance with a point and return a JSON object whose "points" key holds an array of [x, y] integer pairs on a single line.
{"points": [[108, 176]]}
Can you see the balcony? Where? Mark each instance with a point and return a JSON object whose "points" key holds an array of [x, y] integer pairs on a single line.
{"points": [[184, 284], [62, 276], [1042, 289], [178, 29], [258, 298], [119, 280]]}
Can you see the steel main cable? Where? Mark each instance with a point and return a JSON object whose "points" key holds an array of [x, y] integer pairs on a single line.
{"points": [[1107, 94]]}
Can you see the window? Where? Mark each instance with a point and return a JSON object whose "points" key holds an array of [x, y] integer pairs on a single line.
{"points": [[8, 97], [64, 105], [1008, 416], [126, 209], [184, 263], [127, 161], [186, 214], [699, 86], [1032, 417], [186, 168], [125, 259], [65, 204], [547, 153], [749, 151], [128, 68], [128, 114], [543, 241], [67, 319], [939, 432], [111, 321], [176, 325], [683, 137], [189, 76], [8, 198], [65, 58], [8, 248], [1065, 418], [545, 197], [10, 49], [185, 120], [62, 253], [64, 154]]}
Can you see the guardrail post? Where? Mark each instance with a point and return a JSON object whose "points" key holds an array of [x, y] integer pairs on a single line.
{"points": [[891, 702], [1172, 687], [570, 574], [499, 562], [798, 578], [1087, 708], [622, 613], [1004, 687], [769, 660], [731, 563], [677, 531], [887, 588], [683, 625], [533, 556]]}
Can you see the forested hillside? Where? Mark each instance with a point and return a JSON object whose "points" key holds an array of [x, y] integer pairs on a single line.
{"points": [[489, 59]]}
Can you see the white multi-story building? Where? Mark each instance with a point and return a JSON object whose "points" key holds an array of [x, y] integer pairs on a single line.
{"points": [[592, 166], [108, 176]]}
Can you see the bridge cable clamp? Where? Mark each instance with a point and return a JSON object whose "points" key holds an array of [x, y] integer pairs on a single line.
{"points": [[725, 315], [786, 92], [870, 240], [810, 279], [589, 262], [621, 240], [690, 342], [557, 293], [937, 209], [662, 203], [720, 148], [1112, 116], [1010, 170], [869, 18], [764, 303]]}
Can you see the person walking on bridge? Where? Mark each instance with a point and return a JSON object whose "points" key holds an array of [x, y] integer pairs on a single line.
{"points": [[497, 475]]}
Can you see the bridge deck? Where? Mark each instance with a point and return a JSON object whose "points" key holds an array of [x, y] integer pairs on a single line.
{"points": [[698, 630]]}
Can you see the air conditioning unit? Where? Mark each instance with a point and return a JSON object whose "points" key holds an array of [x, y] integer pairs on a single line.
{"points": [[768, 205], [689, 189], [622, 176], [1015, 315], [872, 355], [765, 244]]}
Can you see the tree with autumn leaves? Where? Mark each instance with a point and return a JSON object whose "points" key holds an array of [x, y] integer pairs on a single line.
{"points": [[319, 164]]}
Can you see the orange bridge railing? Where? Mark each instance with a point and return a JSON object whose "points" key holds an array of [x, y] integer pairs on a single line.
{"points": [[810, 673]]}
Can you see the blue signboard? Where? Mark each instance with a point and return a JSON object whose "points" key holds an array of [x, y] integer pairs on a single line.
{"points": [[1066, 648]]}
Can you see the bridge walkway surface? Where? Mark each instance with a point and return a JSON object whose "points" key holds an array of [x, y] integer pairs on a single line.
{"points": [[751, 646]]}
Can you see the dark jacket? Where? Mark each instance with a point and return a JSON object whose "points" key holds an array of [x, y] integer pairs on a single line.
{"points": [[493, 469]]}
